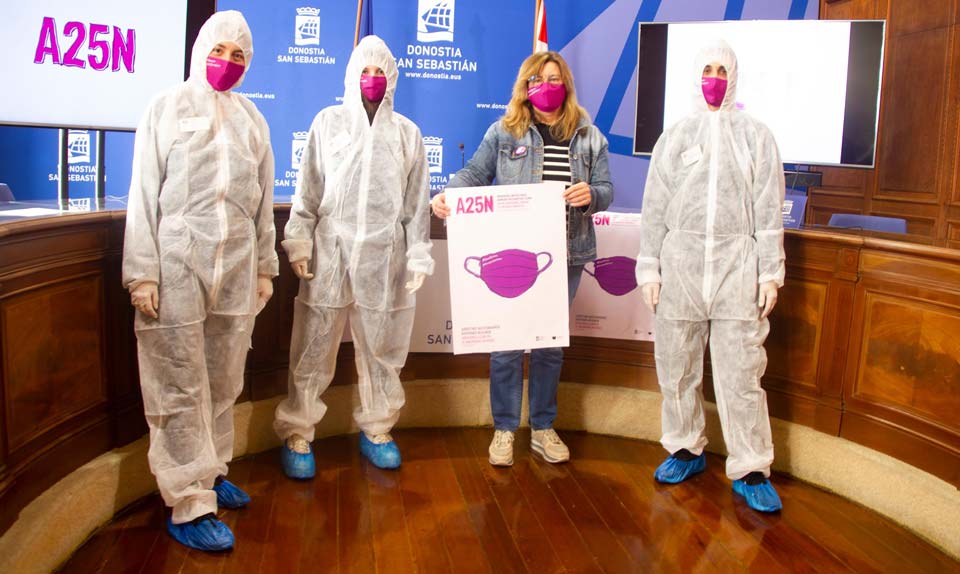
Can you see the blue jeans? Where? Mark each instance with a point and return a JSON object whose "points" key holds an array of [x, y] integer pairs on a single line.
{"points": [[506, 378]]}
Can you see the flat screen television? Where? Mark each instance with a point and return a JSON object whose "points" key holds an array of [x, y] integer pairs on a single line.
{"points": [[815, 83], [92, 63]]}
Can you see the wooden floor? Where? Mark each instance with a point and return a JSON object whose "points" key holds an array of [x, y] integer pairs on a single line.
{"points": [[448, 510]]}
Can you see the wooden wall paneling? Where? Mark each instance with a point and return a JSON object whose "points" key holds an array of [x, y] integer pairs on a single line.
{"points": [[823, 203], [53, 366], [51, 246], [610, 362], [809, 331], [952, 235], [128, 423], [849, 9], [922, 217], [53, 360], [4, 439], [902, 383], [912, 115], [951, 193], [911, 17]]}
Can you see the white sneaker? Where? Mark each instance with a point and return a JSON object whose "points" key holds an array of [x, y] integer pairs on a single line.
{"points": [[501, 448], [298, 444], [547, 444], [383, 438]]}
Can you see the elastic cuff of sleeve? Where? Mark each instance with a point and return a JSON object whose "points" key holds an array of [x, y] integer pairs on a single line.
{"points": [[648, 276], [134, 284], [269, 267], [297, 249], [767, 278], [420, 266]]}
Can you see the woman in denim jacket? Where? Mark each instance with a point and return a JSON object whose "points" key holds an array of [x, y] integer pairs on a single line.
{"points": [[544, 136]]}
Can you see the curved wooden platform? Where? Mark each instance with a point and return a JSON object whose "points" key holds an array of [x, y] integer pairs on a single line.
{"points": [[448, 510]]}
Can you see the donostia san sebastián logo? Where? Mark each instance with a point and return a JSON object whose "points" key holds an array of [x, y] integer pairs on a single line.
{"points": [[435, 23], [306, 40], [433, 146], [435, 20], [297, 146], [78, 158], [78, 146]]}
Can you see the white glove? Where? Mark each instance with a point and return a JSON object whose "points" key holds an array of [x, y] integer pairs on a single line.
{"points": [[651, 295], [414, 284], [146, 298], [300, 269], [264, 291], [767, 298]]}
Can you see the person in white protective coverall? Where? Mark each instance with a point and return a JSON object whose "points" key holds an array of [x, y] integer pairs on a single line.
{"points": [[199, 255], [710, 263], [359, 239]]}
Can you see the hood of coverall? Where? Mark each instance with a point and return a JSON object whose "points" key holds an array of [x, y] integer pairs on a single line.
{"points": [[371, 51], [716, 51], [226, 26]]}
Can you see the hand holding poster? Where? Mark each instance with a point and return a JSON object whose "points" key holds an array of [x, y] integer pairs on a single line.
{"points": [[508, 267]]}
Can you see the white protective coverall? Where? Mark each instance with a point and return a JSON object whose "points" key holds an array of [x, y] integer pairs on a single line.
{"points": [[361, 217], [200, 224], [711, 233]]}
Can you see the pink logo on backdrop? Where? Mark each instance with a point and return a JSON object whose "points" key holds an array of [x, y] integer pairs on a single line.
{"points": [[86, 44]]}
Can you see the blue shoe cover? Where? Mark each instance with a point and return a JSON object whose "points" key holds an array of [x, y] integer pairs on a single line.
{"points": [[205, 533], [675, 471], [296, 465], [229, 495], [760, 497], [385, 455]]}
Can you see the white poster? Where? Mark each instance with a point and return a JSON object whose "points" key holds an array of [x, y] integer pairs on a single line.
{"points": [[432, 327], [508, 267], [90, 63], [609, 303]]}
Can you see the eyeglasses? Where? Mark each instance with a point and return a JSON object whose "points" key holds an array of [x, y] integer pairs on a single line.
{"points": [[537, 80]]}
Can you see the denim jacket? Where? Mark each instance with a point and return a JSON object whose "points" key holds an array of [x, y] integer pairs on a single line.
{"points": [[496, 159]]}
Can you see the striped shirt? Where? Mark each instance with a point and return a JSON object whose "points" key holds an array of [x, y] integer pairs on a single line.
{"points": [[556, 157]]}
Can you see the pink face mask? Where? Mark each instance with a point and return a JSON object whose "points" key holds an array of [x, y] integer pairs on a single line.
{"points": [[547, 97], [714, 89], [373, 87], [222, 74]]}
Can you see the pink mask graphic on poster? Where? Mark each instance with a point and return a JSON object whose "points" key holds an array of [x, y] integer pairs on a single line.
{"points": [[547, 97], [615, 275], [373, 87], [714, 89], [509, 273], [222, 74]]}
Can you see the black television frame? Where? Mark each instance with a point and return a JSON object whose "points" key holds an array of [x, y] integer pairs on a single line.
{"points": [[861, 115]]}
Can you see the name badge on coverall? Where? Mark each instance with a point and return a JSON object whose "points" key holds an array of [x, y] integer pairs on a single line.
{"points": [[692, 155], [196, 124]]}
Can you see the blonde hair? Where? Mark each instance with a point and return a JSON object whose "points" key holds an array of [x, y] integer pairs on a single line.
{"points": [[519, 114]]}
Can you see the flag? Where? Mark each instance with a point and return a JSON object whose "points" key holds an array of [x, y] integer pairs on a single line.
{"points": [[364, 20], [540, 28]]}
